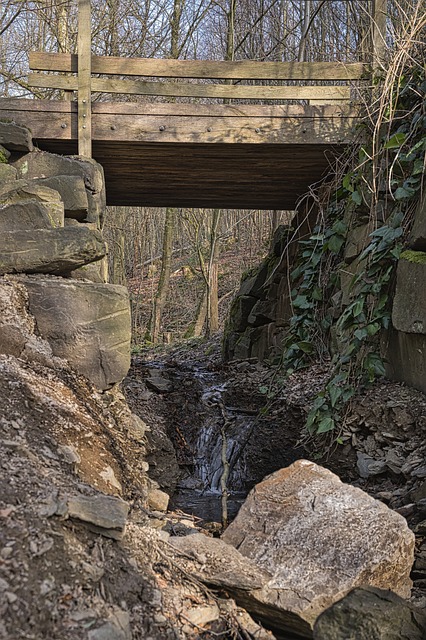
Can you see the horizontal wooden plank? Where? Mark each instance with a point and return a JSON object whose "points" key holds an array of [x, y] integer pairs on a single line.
{"points": [[186, 90], [177, 109], [244, 69], [131, 128]]}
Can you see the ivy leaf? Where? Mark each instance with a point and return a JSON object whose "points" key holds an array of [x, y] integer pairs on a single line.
{"points": [[402, 193], [334, 393], [358, 307], [263, 390], [305, 346], [335, 243], [325, 425], [347, 182], [396, 141], [356, 197], [302, 302], [360, 334]]}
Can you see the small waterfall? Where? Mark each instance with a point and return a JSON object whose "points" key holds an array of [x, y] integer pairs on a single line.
{"points": [[204, 498]]}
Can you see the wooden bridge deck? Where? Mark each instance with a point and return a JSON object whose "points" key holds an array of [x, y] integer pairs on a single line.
{"points": [[228, 156]]}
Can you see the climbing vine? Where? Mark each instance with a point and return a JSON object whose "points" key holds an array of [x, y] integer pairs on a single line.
{"points": [[340, 305]]}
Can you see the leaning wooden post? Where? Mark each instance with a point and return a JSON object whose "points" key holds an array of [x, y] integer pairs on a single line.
{"points": [[84, 50], [378, 34]]}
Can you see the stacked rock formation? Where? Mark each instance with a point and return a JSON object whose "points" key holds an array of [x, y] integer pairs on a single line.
{"points": [[51, 247]]}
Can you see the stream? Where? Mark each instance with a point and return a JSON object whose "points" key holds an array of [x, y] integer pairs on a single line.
{"points": [[199, 491], [188, 407]]}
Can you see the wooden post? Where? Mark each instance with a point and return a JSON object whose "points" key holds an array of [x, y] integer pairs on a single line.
{"points": [[378, 33], [84, 48]]}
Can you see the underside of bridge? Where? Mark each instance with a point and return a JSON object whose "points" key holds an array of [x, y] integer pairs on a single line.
{"points": [[211, 156]]}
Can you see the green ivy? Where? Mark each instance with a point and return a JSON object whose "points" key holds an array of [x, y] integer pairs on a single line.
{"points": [[316, 277]]}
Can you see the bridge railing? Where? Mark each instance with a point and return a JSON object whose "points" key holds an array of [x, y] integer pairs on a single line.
{"points": [[241, 79]]}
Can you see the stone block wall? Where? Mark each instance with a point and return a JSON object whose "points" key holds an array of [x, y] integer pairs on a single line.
{"points": [[261, 311], [405, 344], [53, 256]]}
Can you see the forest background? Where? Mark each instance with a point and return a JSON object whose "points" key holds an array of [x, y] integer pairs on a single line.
{"points": [[182, 266]]}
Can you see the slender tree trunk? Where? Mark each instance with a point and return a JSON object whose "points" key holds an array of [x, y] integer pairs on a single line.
{"points": [[212, 285], [303, 38], [163, 284]]}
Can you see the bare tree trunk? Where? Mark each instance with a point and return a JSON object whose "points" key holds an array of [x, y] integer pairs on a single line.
{"points": [[305, 29], [212, 285], [163, 284]]}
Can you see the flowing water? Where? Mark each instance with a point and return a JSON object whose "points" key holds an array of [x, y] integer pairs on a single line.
{"points": [[199, 493]]}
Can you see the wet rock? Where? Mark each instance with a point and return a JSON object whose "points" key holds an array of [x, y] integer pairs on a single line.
{"points": [[320, 539], [15, 137], [85, 323], [368, 466], [56, 251], [371, 614], [106, 515], [159, 384]]}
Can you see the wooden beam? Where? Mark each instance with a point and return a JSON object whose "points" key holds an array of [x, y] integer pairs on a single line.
{"points": [[186, 90], [83, 84], [182, 109], [244, 69], [378, 33], [132, 124]]}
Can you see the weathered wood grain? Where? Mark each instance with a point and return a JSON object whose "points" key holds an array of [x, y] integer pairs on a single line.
{"points": [[186, 90], [118, 122], [244, 69], [83, 80]]}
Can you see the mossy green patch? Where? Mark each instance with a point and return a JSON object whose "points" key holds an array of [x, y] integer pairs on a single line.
{"points": [[418, 257]]}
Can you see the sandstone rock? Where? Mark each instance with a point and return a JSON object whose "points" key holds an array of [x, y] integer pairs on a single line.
{"points": [[73, 193], [15, 137], [240, 311], [409, 305], [200, 616], [371, 614], [405, 358], [94, 272], [368, 466], [320, 539], [25, 215], [48, 165], [219, 564], [7, 173], [21, 191], [158, 500], [87, 324], [417, 238], [106, 515], [157, 383], [263, 312], [57, 251]]}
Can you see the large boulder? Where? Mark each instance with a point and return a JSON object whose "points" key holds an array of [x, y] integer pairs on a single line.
{"points": [[371, 614], [25, 215], [57, 251], [48, 165], [85, 323], [319, 538]]}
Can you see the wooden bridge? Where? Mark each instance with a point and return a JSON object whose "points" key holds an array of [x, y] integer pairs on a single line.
{"points": [[197, 154]]}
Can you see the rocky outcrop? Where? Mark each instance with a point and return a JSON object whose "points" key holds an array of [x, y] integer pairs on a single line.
{"points": [[319, 539], [51, 211], [371, 614], [261, 307], [90, 328]]}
